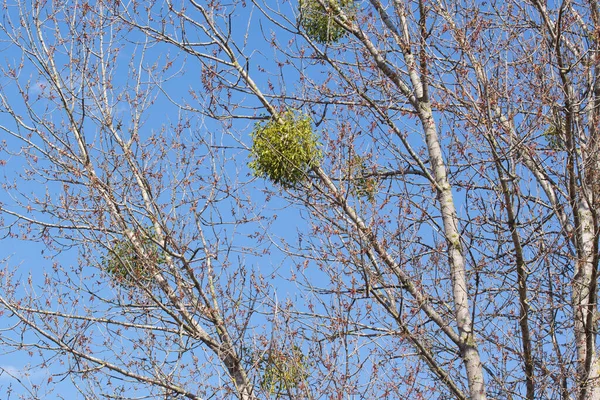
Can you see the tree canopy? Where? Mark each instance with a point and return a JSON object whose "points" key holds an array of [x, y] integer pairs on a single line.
{"points": [[313, 199]]}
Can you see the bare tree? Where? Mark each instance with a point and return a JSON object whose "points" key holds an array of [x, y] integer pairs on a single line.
{"points": [[160, 296], [440, 155]]}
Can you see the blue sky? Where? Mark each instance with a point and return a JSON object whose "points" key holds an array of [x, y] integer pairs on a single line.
{"points": [[345, 133]]}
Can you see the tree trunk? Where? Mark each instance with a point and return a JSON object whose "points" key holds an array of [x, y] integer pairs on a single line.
{"points": [[469, 350]]}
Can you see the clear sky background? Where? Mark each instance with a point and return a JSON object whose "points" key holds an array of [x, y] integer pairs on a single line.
{"points": [[282, 216]]}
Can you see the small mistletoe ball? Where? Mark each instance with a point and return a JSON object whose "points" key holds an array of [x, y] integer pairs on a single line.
{"points": [[318, 21]]}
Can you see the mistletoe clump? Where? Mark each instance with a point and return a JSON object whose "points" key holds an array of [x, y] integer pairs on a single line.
{"points": [[555, 135], [284, 149], [128, 265], [283, 371], [318, 21], [364, 185]]}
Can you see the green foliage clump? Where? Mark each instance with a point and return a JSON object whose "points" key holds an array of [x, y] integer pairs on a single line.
{"points": [[554, 135], [284, 149], [318, 21], [283, 372], [362, 184], [128, 266]]}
